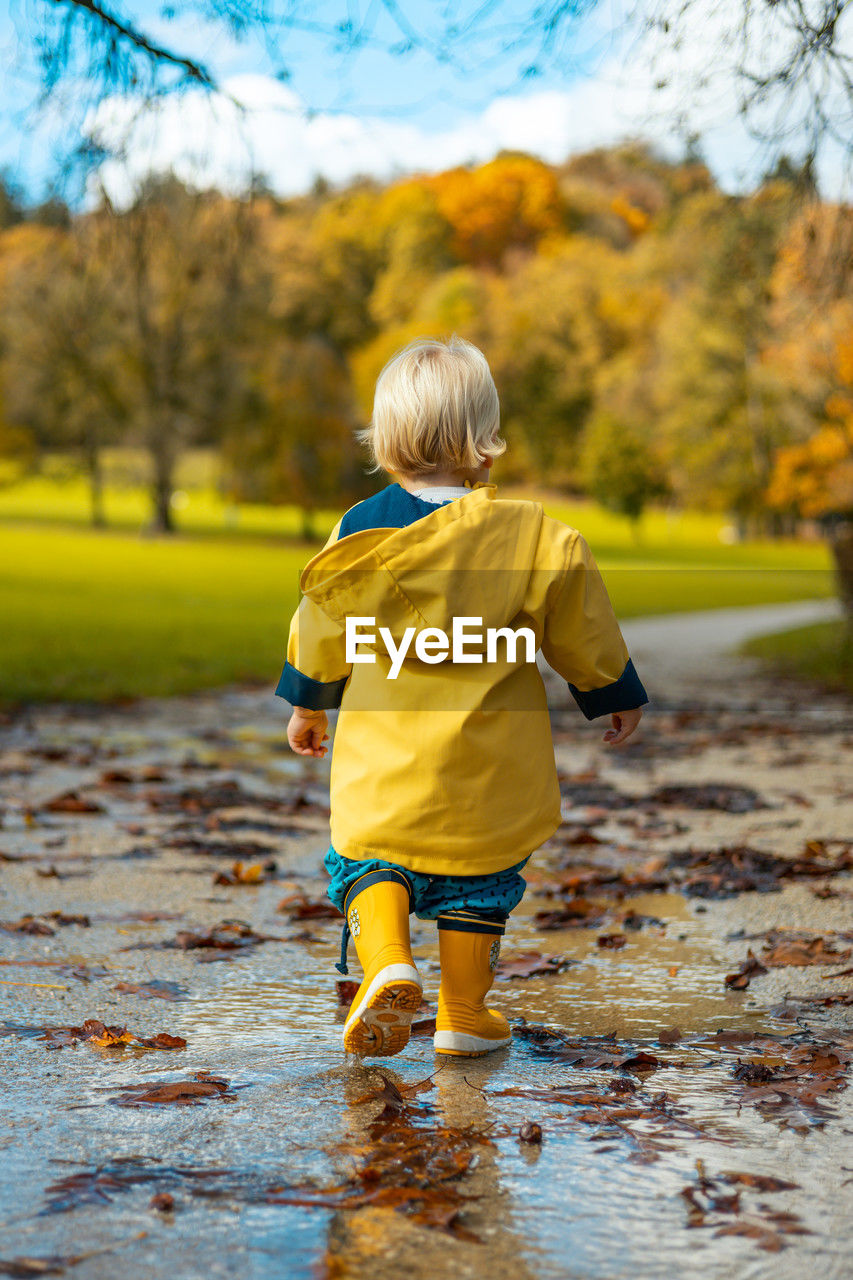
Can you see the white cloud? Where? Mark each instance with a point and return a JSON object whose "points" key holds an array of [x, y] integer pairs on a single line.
{"points": [[214, 140]]}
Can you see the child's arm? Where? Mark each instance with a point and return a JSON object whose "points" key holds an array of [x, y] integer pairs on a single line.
{"points": [[314, 675], [583, 643]]}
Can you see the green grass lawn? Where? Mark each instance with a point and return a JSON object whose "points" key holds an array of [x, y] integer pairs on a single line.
{"points": [[822, 653], [110, 614]]}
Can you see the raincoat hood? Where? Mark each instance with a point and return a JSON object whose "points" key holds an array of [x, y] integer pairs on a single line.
{"points": [[473, 557]]}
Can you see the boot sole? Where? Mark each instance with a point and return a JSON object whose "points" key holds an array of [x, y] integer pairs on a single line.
{"points": [[381, 1024], [461, 1045]]}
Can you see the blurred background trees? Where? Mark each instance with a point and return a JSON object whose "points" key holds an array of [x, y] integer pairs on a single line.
{"points": [[652, 337]]}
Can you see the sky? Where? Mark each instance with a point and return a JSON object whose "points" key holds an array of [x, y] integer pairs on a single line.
{"points": [[341, 114]]}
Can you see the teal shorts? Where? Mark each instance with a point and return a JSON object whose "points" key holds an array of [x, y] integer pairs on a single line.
{"points": [[493, 896]]}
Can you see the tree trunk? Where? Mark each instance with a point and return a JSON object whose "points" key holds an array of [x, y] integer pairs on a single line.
{"points": [[308, 533], [96, 488], [841, 541], [162, 496]]}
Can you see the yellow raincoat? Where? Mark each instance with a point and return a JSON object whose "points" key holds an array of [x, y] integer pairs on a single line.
{"points": [[449, 768]]}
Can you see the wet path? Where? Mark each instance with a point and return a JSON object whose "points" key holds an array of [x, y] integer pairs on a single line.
{"points": [[286, 1169]]}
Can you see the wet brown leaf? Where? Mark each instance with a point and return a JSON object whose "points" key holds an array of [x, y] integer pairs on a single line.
{"points": [[220, 941], [578, 913], [96, 1033], [297, 907], [792, 949], [710, 1204], [183, 1093], [73, 802], [586, 1051], [721, 795], [750, 968], [347, 990], [43, 925], [153, 989], [760, 1181], [532, 964], [793, 1006], [250, 873], [28, 924], [787, 1078], [408, 1164]]}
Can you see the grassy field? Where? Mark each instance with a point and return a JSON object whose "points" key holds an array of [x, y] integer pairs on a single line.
{"points": [[112, 614], [822, 653]]}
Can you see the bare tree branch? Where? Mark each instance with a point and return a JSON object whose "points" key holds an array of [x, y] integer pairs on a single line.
{"points": [[113, 32]]}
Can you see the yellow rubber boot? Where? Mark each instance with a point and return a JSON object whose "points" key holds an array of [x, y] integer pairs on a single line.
{"points": [[380, 1016], [464, 1026]]}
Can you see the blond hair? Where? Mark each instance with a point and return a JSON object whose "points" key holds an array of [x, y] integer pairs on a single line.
{"points": [[435, 409]]}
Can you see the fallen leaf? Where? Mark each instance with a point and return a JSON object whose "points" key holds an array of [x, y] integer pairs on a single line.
{"points": [[73, 802], [347, 990], [247, 873], [43, 924], [760, 1181], [750, 968], [155, 988], [96, 1033], [790, 949], [669, 1035], [220, 940], [577, 913], [193, 1092], [531, 964], [297, 907], [720, 795]]}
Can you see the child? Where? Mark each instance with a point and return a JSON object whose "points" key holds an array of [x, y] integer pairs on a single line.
{"points": [[443, 775]]}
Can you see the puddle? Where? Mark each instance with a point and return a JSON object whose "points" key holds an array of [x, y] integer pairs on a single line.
{"points": [[611, 1192]]}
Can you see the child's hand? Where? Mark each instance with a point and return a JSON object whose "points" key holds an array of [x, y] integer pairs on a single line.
{"points": [[624, 723], [306, 732]]}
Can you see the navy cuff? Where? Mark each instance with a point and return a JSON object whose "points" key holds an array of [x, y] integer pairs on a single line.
{"points": [[622, 695], [302, 691]]}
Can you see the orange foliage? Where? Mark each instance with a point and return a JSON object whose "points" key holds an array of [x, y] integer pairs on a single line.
{"points": [[636, 219], [512, 202], [816, 478]]}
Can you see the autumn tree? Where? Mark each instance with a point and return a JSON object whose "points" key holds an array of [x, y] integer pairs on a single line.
{"points": [[417, 247], [716, 401], [135, 326], [619, 468], [355, 261], [187, 288], [548, 336], [513, 202], [58, 364], [815, 478], [296, 444], [325, 256]]}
